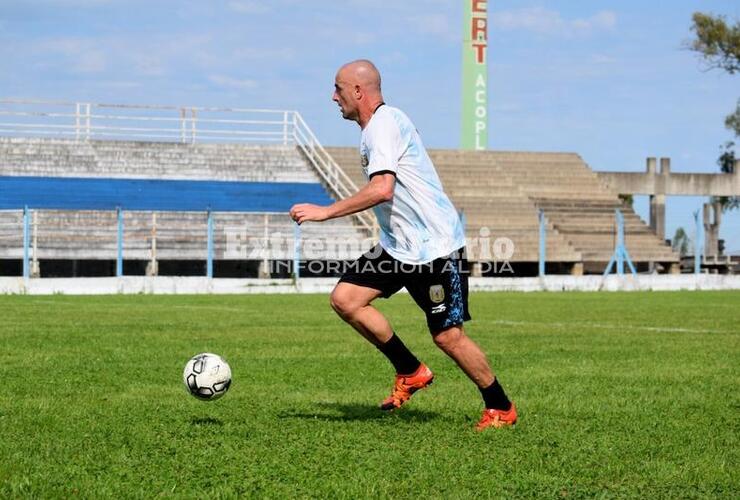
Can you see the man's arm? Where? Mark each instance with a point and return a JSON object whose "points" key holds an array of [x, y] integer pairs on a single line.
{"points": [[377, 191]]}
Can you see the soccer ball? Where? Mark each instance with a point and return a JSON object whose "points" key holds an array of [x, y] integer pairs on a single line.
{"points": [[207, 376]]}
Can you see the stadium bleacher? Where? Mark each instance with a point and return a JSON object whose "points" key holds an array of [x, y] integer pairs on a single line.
{"points": [[165, 188], [503, 191], [75, 187]]}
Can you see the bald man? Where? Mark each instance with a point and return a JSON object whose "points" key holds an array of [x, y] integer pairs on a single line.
{"points": [[422, 247]]}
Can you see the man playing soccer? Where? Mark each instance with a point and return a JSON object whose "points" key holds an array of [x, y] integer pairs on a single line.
{"points": [[421, 247]]}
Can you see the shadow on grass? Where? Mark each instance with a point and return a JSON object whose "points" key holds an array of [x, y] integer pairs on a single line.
{"points": [[348, 412], [209, 421]]}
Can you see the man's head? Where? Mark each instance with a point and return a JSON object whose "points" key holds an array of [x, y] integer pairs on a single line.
{"points": [[357, 90]]}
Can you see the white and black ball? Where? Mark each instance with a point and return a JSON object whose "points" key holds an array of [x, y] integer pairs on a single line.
{"points": [[207, 376]]}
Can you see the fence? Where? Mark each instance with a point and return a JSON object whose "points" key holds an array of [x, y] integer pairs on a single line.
{"points": [[83, 121], [154, 236], [36, 235], [86, 121]]}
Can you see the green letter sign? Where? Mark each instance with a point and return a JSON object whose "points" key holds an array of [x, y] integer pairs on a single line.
{"points": [[475, 76]]}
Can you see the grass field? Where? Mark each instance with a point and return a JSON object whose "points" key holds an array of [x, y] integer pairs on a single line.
{"points": [[620, 395]]}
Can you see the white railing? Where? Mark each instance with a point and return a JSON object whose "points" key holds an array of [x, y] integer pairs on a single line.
{"points": [[186, 124], [335, 178], [85, 121], [151, 236]]}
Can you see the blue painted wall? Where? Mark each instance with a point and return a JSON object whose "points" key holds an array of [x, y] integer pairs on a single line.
{"points": [[76, 193]]}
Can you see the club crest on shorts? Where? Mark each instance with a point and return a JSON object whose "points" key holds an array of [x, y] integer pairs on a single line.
{"points": [[436, 293]]}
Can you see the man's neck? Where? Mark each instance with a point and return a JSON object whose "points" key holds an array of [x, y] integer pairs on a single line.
{"points": [[367, 112]]}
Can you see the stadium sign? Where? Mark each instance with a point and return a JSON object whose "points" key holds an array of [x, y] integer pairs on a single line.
{"points": [[475, 75]]}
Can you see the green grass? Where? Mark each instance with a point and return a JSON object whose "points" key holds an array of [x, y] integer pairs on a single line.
{"points": [[620, 395]]}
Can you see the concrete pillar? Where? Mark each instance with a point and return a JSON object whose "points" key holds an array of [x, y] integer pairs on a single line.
{"points": [[675, 268], [657, 201], [651, 165], [665, 166], [577, 269], [712, 218], [657, 215], [264, 269], [707, 221], [717, 215], [152, 268]]}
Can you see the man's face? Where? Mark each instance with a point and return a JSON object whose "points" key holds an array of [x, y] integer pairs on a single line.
{"points": [[344, 96]]}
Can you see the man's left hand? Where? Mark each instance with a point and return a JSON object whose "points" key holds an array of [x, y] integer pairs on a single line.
{"points": [[303, 212]]}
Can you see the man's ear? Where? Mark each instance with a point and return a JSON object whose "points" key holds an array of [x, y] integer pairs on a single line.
{"points": [[358, 91]]}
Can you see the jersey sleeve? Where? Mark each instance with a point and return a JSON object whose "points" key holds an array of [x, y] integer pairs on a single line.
{"points": [[384, 147]]}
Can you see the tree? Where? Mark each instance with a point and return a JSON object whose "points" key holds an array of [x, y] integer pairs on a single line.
{"points": [[732, 121], [726, 162], [681, 242], [718, 42]]}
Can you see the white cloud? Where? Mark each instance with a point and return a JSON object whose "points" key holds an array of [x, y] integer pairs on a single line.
{"points": [[434, 24], [91, 61], [274, 54], [73, 3], [603, 59], [135, 56], [231, 82], [150, 65], [550, 22], [394, 58], [248, 7], [83, 55], [362, 38]]}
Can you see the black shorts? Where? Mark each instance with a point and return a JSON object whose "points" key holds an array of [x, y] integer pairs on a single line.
{"points": [[439, 288]]}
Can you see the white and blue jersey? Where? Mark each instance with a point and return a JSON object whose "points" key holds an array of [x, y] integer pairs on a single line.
{"points": [[420, 223]]}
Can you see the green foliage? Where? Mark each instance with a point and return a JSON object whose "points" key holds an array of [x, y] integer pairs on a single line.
{"points": [[726, 162], [717, 41], [626, 199], [621, 395], [719, 44], [732, 121], [681, 242]]}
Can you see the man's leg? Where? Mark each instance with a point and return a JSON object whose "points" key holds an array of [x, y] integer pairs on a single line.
{"points": [[441, 291], [466, 353], [353, 304], [499, 411]]}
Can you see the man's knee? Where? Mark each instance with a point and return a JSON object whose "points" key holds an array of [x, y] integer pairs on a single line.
{"points": [[343, 303], [449, 338]]}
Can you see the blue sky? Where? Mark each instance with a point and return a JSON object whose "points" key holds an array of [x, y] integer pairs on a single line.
{"points": [[609, 80]]}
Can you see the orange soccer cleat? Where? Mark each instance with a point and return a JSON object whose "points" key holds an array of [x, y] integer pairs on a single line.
{"points": [[406, 385], [497, 418]]}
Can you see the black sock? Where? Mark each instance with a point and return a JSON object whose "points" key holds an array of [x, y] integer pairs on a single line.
{"points": [[398, 354], [495, 397]]}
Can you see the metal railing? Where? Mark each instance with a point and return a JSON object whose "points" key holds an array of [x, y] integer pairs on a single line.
{"points": [[150, 236], [84, 121], [335, 178], [185, 124]]}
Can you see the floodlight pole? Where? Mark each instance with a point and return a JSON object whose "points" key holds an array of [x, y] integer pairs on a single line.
{"points": [[620, 250], [543, 242]]}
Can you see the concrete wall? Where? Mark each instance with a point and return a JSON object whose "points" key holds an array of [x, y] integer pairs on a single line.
{"points": [[673, 184], [198, 285]]}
